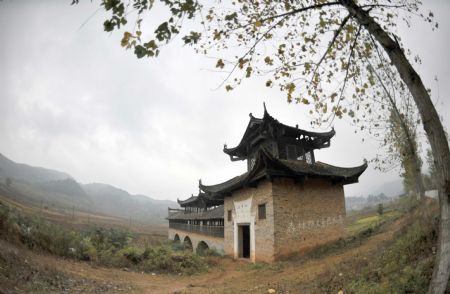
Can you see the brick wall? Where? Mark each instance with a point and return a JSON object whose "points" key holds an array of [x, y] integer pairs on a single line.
{"points": [[307, 214]]}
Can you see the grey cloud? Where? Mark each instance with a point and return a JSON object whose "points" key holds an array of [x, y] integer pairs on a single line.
{"points": [[91, 109]]}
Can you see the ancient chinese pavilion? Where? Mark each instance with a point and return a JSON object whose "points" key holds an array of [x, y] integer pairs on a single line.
{"points": [[286, 202]]}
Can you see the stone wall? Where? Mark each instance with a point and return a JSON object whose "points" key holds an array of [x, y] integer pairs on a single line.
{"points": [[212, 242], [306, 214], [244, 206]]}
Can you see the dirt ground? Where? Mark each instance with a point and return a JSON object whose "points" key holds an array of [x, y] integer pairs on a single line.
{"points": [[228, 276]]}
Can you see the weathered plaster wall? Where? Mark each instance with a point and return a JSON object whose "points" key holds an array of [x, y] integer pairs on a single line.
{"points": [[306, 214], [244, 205], [213, 242]]}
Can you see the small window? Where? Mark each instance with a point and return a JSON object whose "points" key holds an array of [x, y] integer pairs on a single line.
{"points": [[229, 215], [262, 211]]}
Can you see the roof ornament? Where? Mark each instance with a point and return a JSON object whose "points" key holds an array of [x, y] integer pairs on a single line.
{"points": [[225, 146], [266, 113], [251, 115], [296, 126]]}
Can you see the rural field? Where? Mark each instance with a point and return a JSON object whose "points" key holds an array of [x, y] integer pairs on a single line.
{"points": [[380, 253]]}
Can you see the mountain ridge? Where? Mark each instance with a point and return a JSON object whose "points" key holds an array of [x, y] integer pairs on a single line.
{"points": [[25, 172], [55, 188]]}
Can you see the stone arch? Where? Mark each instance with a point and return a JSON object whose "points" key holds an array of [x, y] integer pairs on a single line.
{"points": [[187, 243], [202, 247], [176, 239]]}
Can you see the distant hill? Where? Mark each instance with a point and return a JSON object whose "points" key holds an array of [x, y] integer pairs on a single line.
{"points": [[111, 200], [358, 203], [36, 185], [31, 174], [391, 189], [68, 187], [381, 194]]}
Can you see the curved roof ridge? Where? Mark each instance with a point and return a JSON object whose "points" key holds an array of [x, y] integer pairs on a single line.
{"points": [[267, 165], [342, 167], [189, 200]]}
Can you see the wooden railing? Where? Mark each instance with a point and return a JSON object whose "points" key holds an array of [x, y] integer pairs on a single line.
{"points": [[214, 231]]}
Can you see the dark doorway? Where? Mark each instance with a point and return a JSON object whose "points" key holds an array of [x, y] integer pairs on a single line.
{"points": [[187, 243], [202, 248], [244, 241]]}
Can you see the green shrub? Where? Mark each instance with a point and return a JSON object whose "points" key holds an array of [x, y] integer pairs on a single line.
{"points": [[164, 259], [178, 246], [87, 250], [108, 247], [133, 254]]}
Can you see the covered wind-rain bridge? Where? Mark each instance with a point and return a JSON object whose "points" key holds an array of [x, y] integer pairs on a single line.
{"points": [[285, 202]]}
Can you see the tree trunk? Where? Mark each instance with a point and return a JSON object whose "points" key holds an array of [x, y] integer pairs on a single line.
{"points": [[435, 133], [419, 179]]}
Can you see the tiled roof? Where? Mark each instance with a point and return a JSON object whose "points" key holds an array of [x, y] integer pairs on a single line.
{"points": [[200, 201], [267, 165], [263, 126], [216, 213]]}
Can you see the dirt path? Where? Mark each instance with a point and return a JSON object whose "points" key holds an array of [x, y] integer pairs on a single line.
{"points": [[228, 277]]}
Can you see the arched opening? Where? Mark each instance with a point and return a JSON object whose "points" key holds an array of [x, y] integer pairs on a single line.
{"points": [[187, 243], [176, 239], [202, 248]]}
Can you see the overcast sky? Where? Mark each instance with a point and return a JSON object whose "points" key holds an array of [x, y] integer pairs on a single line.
{"points": [[73, 100]]}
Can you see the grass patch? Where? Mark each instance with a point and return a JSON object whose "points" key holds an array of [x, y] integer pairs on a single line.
{"points": [[356, 232], [370, 222], [402, 266]]}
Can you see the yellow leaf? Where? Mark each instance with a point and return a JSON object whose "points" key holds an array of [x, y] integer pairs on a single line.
{"points": [[126, 39], [216, 35], [268, 60], [220, 63]]}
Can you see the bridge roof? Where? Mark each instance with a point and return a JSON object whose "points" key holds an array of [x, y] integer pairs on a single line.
{"points": [[213, 214]]}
